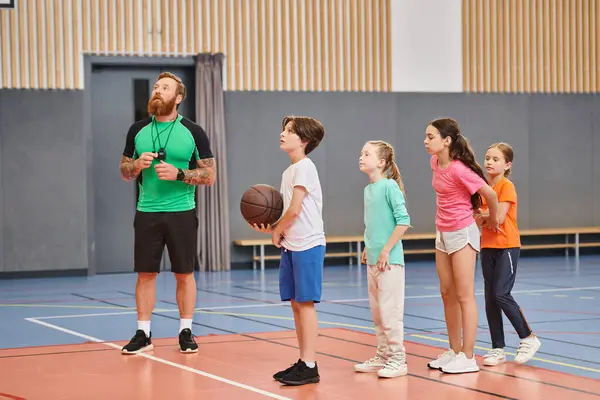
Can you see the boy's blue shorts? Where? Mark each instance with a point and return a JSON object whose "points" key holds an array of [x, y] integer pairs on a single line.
{"points": [[301, 274]]}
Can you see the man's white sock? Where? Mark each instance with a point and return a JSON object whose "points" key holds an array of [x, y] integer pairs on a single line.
{"points": [[145, 326], [185, 323]]}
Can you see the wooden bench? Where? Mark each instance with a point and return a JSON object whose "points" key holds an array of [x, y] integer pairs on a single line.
{"points": [[355, 244]]}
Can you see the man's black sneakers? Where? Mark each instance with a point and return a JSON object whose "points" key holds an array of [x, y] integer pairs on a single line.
{"points": [[187, 344], [301, 374], [138, 343]]}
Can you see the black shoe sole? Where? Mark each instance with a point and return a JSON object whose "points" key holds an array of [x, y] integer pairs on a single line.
{"points": [[299, 383], [279, 378]]}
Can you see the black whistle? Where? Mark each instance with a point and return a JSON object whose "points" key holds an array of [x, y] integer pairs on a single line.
{"points": [[162, 154]]}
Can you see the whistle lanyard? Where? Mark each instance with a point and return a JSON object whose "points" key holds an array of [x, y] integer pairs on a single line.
{"points": [[162, 149]]}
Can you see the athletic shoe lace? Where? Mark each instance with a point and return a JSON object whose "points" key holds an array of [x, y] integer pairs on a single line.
{"points": [[495, 353], [524, 347]]}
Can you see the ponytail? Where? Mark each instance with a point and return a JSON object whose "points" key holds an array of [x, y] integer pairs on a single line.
{"points": [[394, 173], [461, 150], [385, 151]]}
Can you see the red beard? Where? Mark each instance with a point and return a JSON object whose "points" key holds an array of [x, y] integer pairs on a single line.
{"points": [[158, 108]]}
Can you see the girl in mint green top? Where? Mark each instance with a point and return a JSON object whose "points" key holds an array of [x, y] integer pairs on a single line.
{"points": [[386, 220], [386, 217]]}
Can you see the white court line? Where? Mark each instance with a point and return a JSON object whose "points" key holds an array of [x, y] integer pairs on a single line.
{"points": [[163, 361], [92, 315], [479, 293]]}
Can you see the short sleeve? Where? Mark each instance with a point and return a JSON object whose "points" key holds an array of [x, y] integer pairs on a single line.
{"points": [[397, 203], [468, 178], [508, 193], [305, 175], [200, 139], [134, 129]]}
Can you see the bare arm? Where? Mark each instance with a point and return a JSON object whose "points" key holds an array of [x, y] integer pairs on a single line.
{"points": [[129, 168], [205, 174], [480, 216], [503, 207], [290, 215], [492, 200]]}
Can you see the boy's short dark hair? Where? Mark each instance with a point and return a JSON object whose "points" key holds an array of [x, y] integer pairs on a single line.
{"points": [[309, 130]]}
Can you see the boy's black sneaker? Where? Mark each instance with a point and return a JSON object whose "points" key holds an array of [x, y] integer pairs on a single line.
{"points": [[286, 371], [187, 344], [138, 343], [301, 375]]}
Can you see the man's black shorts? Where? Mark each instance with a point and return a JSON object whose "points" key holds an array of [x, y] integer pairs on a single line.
{"points": [[177, 230]]}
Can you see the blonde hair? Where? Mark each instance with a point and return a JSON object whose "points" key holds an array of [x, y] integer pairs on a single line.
{"points": [[507, 152], [385, 151]]}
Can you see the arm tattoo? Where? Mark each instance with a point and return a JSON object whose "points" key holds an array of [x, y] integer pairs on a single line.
{"points": [[128, 170], [205, 174]]}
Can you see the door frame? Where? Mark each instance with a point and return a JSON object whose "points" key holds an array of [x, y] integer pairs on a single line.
{"points": [[89, 61]]}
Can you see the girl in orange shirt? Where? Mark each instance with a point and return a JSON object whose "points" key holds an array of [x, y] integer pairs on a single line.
{"points": [[499, 256]]}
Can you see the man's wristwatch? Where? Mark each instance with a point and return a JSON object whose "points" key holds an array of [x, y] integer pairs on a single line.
{"points": [[180, 174]]}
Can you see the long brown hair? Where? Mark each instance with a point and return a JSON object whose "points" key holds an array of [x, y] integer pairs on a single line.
{"points": [[385, 151], [507, 152], [460, 149]]}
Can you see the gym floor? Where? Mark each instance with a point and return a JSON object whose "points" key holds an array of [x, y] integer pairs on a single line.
{"points": [[60, 337]]}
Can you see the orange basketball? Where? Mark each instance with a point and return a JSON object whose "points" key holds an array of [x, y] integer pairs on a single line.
{"points": [[261, 204]]}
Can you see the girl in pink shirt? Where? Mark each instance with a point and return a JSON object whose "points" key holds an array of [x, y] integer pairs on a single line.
{"points": [[459, 183]]}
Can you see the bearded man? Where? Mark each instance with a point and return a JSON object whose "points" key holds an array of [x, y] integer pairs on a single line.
{"points": [[168, 155]]}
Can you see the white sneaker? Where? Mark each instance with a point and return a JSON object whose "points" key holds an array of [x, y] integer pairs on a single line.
{"points": [[494, 357], [527, 349], [395, 366], [442, 359], [461, 364], [371, 365]]}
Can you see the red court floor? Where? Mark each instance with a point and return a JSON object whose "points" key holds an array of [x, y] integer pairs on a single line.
{"points": [[241, 366]]}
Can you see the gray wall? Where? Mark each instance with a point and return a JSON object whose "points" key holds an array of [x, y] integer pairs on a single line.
{"points": [[595, 146], [556, 141], [43, 181], [44, 185]]}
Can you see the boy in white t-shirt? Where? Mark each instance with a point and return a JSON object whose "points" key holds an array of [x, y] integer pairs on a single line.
{"points": [[300, 235]]}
